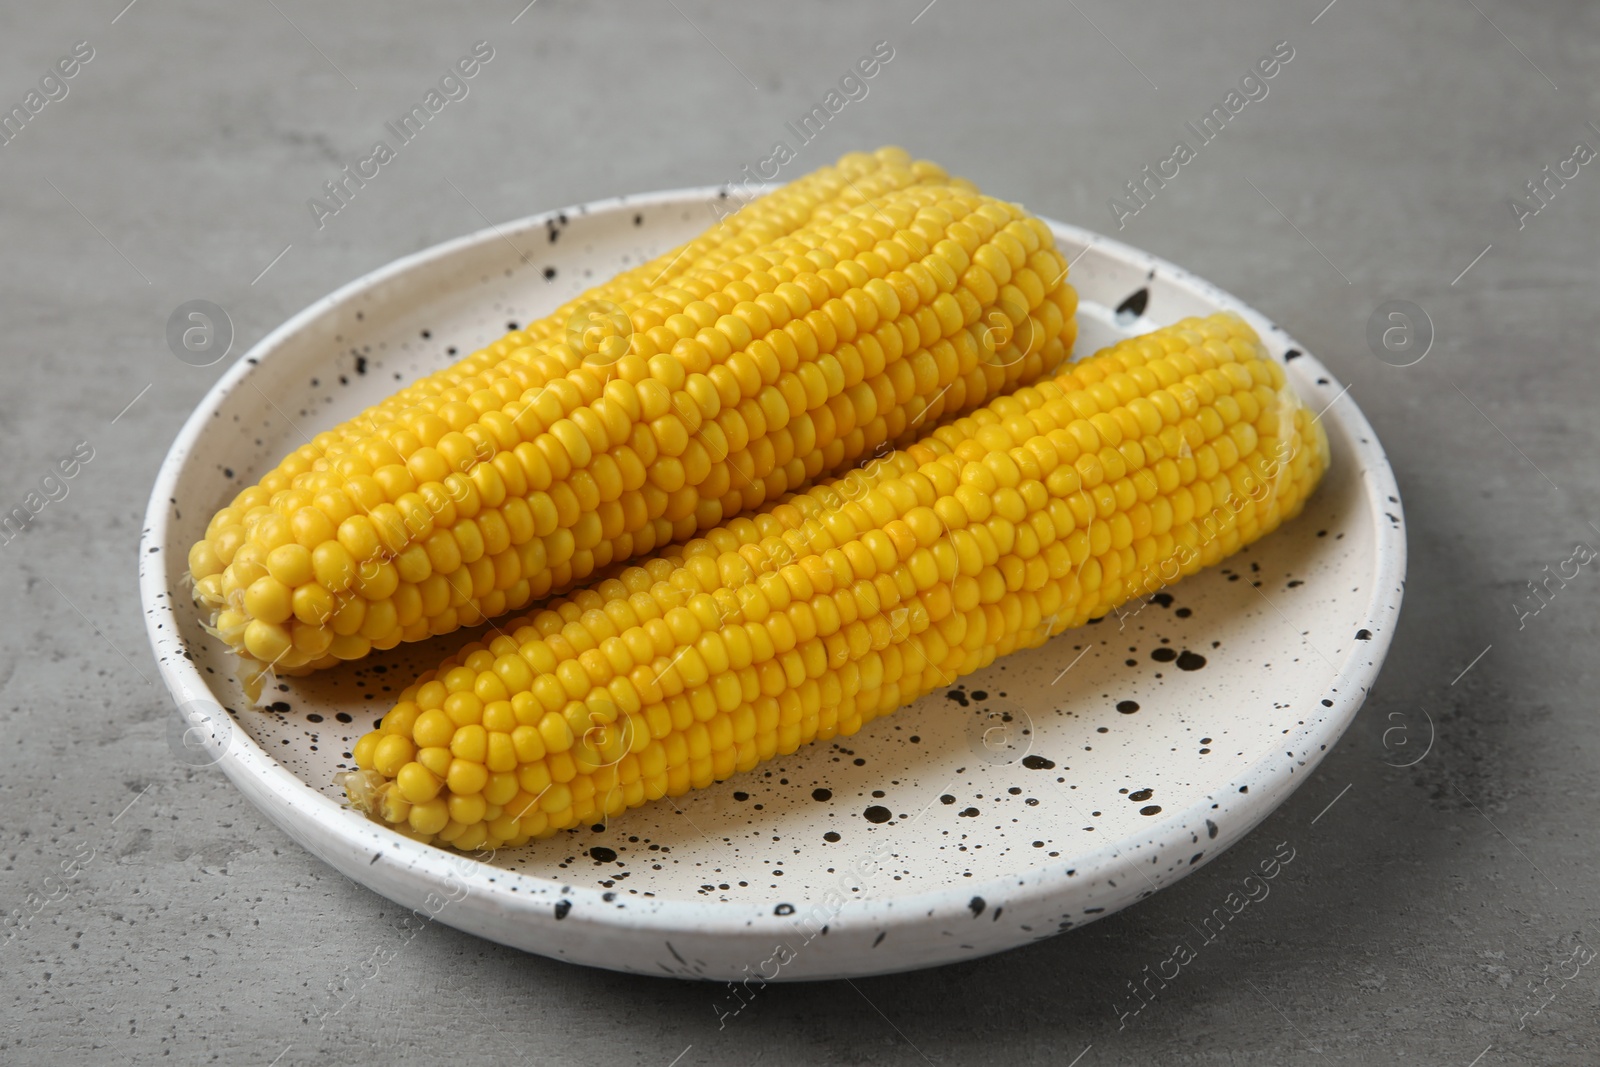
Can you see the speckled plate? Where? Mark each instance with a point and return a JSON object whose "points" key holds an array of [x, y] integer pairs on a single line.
{"points": [[1057, 786]]}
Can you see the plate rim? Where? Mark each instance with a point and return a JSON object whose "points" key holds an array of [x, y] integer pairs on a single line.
{"points": [[354, 845]]}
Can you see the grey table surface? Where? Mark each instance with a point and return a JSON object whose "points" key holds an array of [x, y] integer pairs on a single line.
{"points": [[1442, 913]]}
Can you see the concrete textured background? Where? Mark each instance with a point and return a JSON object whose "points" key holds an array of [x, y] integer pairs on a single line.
{"points": [[1436, 914]]}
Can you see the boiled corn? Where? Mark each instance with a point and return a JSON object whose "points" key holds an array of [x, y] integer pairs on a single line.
{"points": [[739, 382], [812, 199], [1045, 509]]}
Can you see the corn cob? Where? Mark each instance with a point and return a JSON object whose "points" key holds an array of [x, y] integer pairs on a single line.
{"points": [[739, 383], [817, 197], [1045, 509]]}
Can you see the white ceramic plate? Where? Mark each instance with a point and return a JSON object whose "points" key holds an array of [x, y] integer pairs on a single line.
{"points": [[1029, 800]]}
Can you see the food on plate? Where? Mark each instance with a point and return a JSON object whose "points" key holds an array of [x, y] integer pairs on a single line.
{"points": [[857, 307], [1036, 513]]}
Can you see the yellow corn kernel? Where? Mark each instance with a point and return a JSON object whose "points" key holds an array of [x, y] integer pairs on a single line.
{"points": [[416, 783], [429, 817], [392, 753]]}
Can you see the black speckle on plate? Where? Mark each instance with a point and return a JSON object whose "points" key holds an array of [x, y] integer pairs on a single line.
{"points": [[783, 909], [1190, 661], [1363, 635], [821, 794], [602, 854], [562, 907], [976, 905], [1150, 809], [1038, 763], [1127, 707], [1164, 655], [1133, 307], [877, 813]]}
